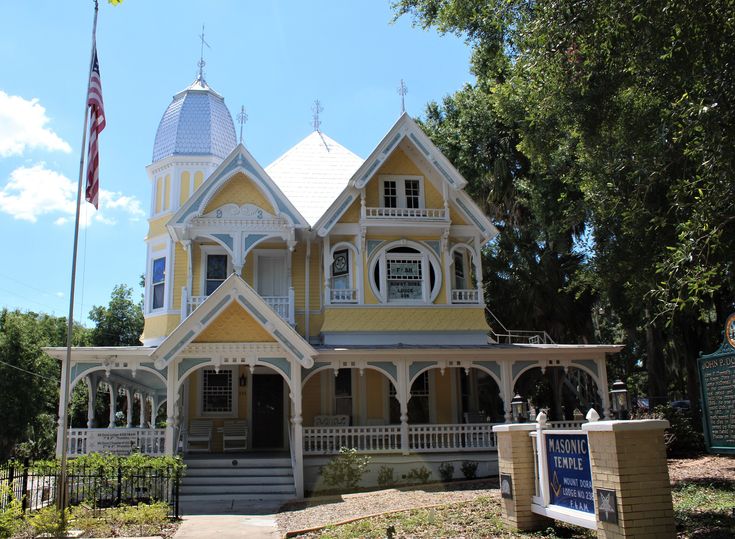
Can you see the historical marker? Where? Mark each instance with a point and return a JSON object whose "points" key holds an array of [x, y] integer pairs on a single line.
{"points": [[717, 386]]}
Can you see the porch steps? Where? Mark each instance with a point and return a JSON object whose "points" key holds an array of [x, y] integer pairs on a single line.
{"points": [[225, 479]]}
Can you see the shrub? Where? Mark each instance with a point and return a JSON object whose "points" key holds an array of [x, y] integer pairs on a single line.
{"points": [[346, 469], [682, 437], [10, 511], [48, 521], [418, 475], [446, 471], [469, 469], [385, 476]]}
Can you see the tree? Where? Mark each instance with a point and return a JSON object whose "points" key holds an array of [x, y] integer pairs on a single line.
{"points": [[630, 104], [120, 323]]}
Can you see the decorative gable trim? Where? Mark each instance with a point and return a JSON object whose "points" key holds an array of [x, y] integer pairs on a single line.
{"points": [[406, 127], [234, 289], [240, 160]]}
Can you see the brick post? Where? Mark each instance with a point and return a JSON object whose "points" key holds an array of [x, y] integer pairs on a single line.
{"points": [[516, 458], [629, 458]]}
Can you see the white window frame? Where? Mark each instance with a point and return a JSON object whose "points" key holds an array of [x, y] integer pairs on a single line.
{"points": [[401, 190], [200, 393], [258, 253], [380, 259], [151, 285], [205, 251]]}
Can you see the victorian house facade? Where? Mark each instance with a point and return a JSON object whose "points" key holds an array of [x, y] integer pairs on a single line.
{"points": [[323, 301]]}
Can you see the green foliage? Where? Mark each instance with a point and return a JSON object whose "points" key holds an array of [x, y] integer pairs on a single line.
{"points": [[346, 469], [386, 477], [469, 469], [418, 475], [120, 323], [683, 437], [48, 521], [10, 512], [446, 471]]}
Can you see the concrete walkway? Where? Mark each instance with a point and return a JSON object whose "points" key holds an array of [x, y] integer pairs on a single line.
{"points": [[228, 527]]}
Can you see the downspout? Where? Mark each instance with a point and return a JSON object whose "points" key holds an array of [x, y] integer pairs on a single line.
{"points": [[307, 299]]}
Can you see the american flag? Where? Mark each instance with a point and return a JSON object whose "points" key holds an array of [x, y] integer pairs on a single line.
{"points": [[96, 125]]}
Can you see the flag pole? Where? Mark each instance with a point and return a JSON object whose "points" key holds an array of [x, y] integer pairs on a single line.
{"points": [[62, 489]]}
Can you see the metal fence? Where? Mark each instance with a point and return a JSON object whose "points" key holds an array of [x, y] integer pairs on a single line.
{"points": [[35, 484]]}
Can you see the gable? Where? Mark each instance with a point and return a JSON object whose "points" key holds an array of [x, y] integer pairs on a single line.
{"points": [[234, 324], [239, 189]]}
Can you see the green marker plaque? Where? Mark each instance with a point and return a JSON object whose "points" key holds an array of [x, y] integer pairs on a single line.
{"points": [[717, 386]]}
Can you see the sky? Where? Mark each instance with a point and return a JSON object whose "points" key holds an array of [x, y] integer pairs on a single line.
{"points": [[273, 57]]}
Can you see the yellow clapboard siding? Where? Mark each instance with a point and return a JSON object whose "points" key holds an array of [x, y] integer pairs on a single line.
{"points": [[311, 399], [375, 390], [239, 190], [443, 396], [160, 326], [404, 319], [234, 324], [179, 274]]}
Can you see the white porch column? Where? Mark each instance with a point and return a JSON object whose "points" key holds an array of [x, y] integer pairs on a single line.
{"points": [[602, 386], [129, 407], [403, 395], [506, 370], [298, 432], [143, 399], [114, 389], [170, 440], [92, 381]]}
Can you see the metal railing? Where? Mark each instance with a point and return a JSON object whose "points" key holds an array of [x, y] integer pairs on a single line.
{"points": [[35, 484], [517, 336]]}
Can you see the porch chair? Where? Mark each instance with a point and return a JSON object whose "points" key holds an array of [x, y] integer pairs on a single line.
{"points": [[200, 433], [235, 435]]}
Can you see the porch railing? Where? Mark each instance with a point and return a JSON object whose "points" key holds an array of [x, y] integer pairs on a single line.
{"points": [[470, 295], [283, 305], [118, 441], [453, 437], [405, 213], [344, 295], [387, 438]]}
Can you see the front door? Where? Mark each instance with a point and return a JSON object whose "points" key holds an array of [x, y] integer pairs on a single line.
{"points": [[267, 411]]}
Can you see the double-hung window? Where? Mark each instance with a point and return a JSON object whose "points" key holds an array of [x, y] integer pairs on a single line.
{"points": [[402, 192], [158, 283], [216, 272]]}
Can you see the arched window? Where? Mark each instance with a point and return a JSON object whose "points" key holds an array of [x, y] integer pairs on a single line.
{"points": [[405, 272]]}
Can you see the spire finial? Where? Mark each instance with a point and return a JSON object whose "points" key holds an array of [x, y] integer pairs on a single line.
{"points": [[202, 63], [402, 91], [242, 117], [316, 109]]}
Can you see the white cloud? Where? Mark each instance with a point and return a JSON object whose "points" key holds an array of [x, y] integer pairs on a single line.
{"points": [[22, 125], [32, 192]]}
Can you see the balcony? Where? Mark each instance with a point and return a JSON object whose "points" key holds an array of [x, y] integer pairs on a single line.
{"points": [[431, 214], [343, 295], [283, 305], [466, 296]]}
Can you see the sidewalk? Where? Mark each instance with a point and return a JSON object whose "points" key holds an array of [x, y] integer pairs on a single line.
{"points": [[228, 527]]}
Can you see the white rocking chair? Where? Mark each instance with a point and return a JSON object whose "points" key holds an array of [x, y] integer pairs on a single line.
{"points": [[235, 436], [200, 433]]}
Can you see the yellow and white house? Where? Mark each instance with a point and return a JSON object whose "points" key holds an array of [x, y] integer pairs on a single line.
{"points": [[319, 302]]}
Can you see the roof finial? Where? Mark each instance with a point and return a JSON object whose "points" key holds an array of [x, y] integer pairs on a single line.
{"points": [[316, 109], [402, 91], [242, 117], [202, 63]]}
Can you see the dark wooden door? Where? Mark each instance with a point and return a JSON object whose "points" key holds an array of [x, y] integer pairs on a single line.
{"points": [[267, 411]]}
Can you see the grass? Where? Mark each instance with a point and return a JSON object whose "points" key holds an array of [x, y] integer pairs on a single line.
{"points": [[701, 509]]}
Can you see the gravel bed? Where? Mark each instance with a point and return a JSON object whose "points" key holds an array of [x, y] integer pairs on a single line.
{"points": [[315, 512]]}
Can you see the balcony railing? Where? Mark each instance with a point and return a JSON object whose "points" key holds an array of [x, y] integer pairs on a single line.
{"points": [[438, 214], [343, 295], [283, 305], [470, 295]]}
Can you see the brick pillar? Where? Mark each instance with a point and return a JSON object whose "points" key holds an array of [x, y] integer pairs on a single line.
{"points": [[515, 458], [629, 458]]}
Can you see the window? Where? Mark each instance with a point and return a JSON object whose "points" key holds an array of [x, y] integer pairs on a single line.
{"points": [[405, 274], [402, 192], [217, 392], [158, 283], [216, 272], [341, 270], [343, 392], [460, 275]]}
